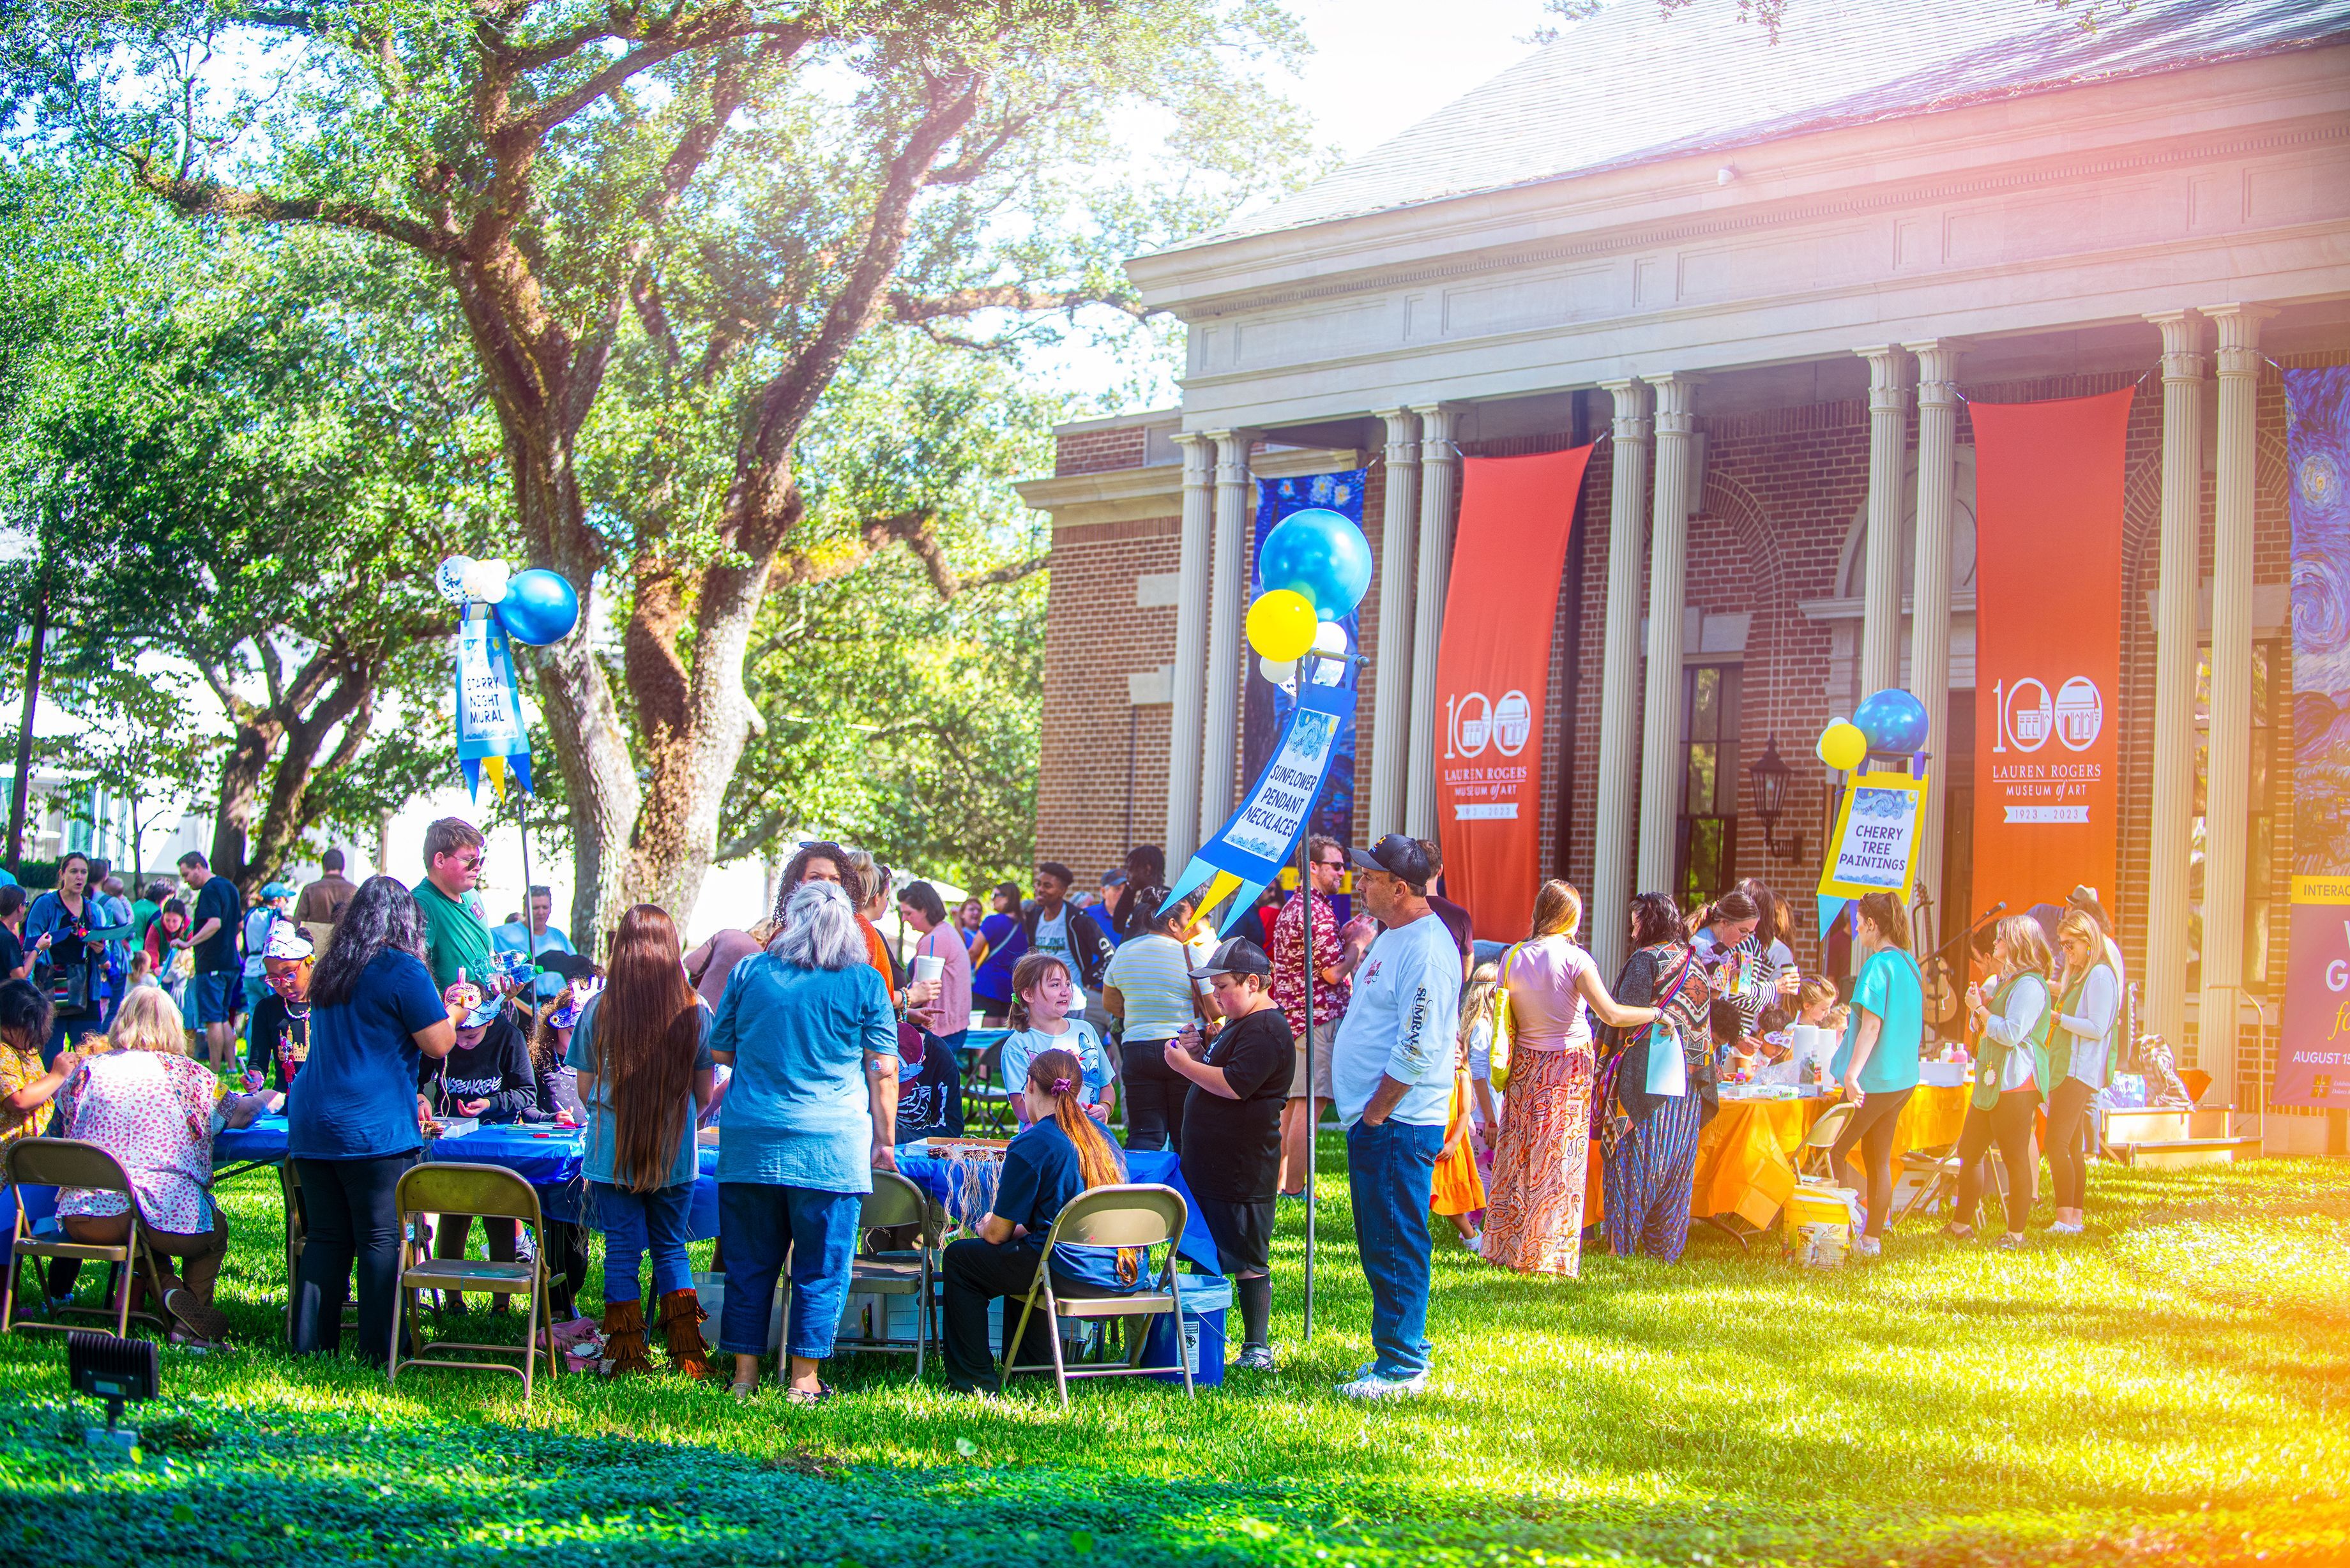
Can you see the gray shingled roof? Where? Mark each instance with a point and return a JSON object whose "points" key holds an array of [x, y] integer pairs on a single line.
{"points": [[1629, 86]]}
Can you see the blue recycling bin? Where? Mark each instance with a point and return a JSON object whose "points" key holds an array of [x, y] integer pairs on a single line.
{"points": [[1206, 1299]]}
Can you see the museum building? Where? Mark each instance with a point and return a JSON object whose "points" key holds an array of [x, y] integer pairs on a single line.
{"points": [[1767, 280]]}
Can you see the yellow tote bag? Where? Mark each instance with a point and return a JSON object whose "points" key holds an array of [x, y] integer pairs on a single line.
{"points": [[1504, 1024]]}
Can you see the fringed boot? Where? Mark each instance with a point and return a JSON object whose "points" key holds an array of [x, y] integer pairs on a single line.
{"points": [[681, 1318], [624, 1338]]}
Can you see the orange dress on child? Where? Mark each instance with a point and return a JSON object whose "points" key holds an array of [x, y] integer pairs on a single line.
{"points": [[1460, 1187]]}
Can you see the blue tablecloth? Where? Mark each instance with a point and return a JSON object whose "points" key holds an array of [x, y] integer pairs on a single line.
{"points": [[944, 1182], [547, 1157]]}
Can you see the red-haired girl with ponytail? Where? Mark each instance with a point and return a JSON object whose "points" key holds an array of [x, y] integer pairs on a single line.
{"points": [[1062, 1153]]}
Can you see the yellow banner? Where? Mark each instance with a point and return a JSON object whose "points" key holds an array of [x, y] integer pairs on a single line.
{"points": [[2320, 890], [1875, 849]]}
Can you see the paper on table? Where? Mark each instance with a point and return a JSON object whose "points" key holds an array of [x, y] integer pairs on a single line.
{"points": [[458, 1126]]}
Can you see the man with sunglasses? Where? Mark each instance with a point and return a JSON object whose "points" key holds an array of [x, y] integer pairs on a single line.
{"points": [[456, 928]]}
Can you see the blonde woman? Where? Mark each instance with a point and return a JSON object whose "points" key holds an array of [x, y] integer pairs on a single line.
{"points": [[143, 1101], [1533, 1216], [2012, 1024], [2081, 1041]]}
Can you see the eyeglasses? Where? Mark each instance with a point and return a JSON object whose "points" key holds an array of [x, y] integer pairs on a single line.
{"points": [[1330, 864]]}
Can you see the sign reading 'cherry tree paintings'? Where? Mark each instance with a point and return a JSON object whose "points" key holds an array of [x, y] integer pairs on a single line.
{"points": [[2048, 637], [1493, 680]]}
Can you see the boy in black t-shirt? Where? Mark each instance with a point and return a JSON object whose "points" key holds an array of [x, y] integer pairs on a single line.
{"points": [[1232, 1133]]}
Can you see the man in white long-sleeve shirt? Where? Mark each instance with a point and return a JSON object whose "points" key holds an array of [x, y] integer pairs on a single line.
{"points": [[1391, 1074]]}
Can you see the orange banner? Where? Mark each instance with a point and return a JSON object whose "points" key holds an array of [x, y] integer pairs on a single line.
{"points": [[1492, 680], [2048, 637]]}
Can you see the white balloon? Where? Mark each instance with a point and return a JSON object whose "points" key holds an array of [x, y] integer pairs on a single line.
{"points": [[449, 579], [485, 581], [1280, 672], [1330, 637]]}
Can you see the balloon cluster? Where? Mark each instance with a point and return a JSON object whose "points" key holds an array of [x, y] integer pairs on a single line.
{"points": [[1315, 567], [536, 607], [1891, 720]]}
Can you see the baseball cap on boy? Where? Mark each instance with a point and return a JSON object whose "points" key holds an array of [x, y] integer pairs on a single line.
{"points": [[1234, 955]]}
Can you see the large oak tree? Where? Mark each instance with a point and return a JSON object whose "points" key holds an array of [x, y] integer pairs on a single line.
{"points": [[710, 201]]}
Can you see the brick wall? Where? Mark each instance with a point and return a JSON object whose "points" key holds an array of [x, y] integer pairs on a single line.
{"points": [[1098, 450]]}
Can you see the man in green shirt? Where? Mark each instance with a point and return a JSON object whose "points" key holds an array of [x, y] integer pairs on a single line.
{"points": [[456, 930]]}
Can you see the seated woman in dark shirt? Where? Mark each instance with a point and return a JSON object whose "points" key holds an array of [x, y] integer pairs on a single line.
{"points": [[1064, 1152]]}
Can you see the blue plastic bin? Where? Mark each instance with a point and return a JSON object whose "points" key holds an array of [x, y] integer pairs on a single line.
{"points": [[1206, 1298]]}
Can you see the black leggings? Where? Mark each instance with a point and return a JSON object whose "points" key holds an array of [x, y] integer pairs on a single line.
{"points": [[352, 1217], [2007, 1124], [2068, 1133], [1155, 1094], [1871, 1131]]}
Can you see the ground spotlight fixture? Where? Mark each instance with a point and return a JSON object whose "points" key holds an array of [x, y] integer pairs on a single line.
{"points": [[117, 1371]]}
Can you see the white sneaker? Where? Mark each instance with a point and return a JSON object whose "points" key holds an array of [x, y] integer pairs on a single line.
{"points": [[1867, 1247], [2064, 1228], [1368, 1384]]}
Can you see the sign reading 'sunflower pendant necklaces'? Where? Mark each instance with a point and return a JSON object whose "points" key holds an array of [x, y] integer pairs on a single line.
{"points": [[1493, 680], [2048, 637]]}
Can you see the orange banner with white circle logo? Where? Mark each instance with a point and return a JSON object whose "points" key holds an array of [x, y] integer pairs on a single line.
{"points": [[2048, 639], [1492, 680]]}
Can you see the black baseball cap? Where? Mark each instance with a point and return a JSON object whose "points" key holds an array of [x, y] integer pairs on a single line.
{"points": [[1398, 856], [1234, 955]]}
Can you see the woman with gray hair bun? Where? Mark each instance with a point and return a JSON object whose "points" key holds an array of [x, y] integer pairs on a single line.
{"points": [[811, 1112]]}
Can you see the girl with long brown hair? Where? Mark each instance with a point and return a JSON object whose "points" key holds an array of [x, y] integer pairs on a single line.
{"points": [[642, 1052], [1062, 1154]]}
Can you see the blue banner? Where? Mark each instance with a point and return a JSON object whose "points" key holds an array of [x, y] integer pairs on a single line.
{"points": [[1265, 708], [1260, 837], [490, 733]]}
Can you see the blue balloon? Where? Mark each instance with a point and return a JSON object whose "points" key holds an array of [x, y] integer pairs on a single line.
{"points": [[1320, 554], [1893, 720], [539, 608]]}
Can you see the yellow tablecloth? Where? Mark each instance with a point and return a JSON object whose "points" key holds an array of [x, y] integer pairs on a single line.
{"points": [[1745, 1156]]}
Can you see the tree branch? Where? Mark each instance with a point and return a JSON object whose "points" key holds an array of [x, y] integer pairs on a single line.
{"points": [[209, 198]]}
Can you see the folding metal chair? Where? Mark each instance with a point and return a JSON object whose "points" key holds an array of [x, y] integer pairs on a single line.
{"points": [[1815, 1156], [68, 1162], [1143, 1215], [491, 1191], [894, 1202]]}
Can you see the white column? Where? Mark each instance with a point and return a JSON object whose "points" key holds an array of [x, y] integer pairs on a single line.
{"points": [[1661, 745], [1440, 473], [2175, 638], [1184, 736], [2227, 790], [1391, 694], [1889, 429], [1227, 603], [1929, 592], [1613, 834]]}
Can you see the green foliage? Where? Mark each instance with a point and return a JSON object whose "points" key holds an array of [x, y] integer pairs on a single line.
{"points": [[2121, 1398]]}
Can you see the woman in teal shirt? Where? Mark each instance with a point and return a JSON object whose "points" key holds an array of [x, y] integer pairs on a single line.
{"points": [[811, 1111], [1877, 1062], [2012, 1025]]}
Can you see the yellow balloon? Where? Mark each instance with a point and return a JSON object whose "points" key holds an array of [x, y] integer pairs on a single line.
{"points": [[1281, 624], [1843, 747]]}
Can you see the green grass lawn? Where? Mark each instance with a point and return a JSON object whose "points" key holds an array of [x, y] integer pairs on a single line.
{"points": [[2171, 1388]]}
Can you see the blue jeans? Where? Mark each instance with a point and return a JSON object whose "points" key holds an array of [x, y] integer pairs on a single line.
{"points": [[633, 1223], [1391, 1174], [760, 1224]]}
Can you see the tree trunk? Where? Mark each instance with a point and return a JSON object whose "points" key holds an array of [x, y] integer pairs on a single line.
{"points": [[248, 759]]}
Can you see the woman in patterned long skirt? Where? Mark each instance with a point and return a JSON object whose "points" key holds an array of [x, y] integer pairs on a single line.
{"points": [[1533, 1220], [1649, 1144]]}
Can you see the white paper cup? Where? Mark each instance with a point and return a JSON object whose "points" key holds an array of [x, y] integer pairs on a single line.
{"points": [[929, 966]]}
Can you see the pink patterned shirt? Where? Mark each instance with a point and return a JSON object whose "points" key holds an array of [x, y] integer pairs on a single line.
{"points": [[153, 1112]]}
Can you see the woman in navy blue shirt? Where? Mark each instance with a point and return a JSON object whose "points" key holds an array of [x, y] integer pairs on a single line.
{"points": [[1062, 1153], [351, 1116]]}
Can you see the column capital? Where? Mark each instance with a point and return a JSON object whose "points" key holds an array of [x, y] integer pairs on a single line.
{"points": [[2182, 343], [1938, 368], [1677, 402], [1630, 421], [1199, 451], [1403, 435], [2240, 335], [1436, 431], [1889, 390], [1231, 454]]}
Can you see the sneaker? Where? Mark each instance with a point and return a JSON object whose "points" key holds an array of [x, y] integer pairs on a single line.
{"points": [[1369, 1384], [2008, 1243], [2064, 1228], [199, 1318], [1867, 1247], [1253, 1359]]}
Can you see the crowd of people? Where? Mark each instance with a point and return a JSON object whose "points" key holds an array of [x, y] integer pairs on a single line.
{"points": [[1501, 1086]]}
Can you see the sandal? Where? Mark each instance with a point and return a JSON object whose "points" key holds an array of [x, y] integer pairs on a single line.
{"points": [[742, 1391], [816, 1396]]}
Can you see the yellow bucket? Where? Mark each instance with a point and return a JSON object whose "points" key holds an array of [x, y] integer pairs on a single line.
{"points": [[1818, 1206]]}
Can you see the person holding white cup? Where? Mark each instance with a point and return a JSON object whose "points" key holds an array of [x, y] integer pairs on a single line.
{"points": [[929, 1104]]}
